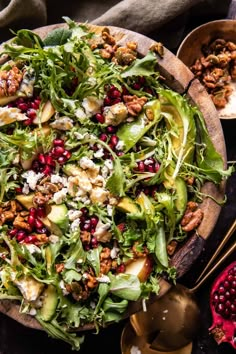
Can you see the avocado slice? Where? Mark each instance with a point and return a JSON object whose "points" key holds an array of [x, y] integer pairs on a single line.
{"points": [[58, 216], [71, 170], [128, 205], [26, 200], [50, 300]]}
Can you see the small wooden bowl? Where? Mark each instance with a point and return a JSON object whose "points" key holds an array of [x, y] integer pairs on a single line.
{"points": [[190, 49]]}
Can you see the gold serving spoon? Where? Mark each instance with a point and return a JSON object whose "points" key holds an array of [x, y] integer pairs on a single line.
{"points": [[173, 321]]}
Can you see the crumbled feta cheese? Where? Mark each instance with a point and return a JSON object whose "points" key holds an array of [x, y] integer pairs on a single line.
{"points": [[85, 163], [98, 154], [120, 145], [114, 252], [75, 225], [62, 123], [53, 238], [9, 115], [109, 210], [74, 214], [80, 114], [32, 178], [92, 105], [109, 164], [32, 248], [60, 196], [59, 179], [116, 114], [103, 279], [25, 189], [148, 162], [104, 171]]}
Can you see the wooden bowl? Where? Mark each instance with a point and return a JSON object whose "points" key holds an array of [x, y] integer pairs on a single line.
{"points": [[179, 78], [191, 48]]}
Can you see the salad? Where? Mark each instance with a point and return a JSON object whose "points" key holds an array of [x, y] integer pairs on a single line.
{"points": [[101, 170]]}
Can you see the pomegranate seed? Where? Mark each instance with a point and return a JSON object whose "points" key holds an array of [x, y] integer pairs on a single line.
{"points": [[121, 227], [141, 166], [107, 101], [67, 154], [142, 80], [117, 100], [30, 239], [34, 105], [84, 211], [49, 160], [32, 211], [57, 151], [114, 140], [115, 93], [121, 268], [40, 212], [38, 223], [12, 232], [94, 242], [37, 101], [19, 100], [42, 230], [31, 220], [41, 159], [18, 190], [94, 221], [111, 129], [100, 118], [58, 142], [31, 113], [23, 106], [21, 234], [47, 170], [61, 160], [27, 122], [137, 86], [103, 137], [150, 168]]}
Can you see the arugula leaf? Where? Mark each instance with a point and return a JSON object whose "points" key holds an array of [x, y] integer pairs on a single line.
{"points": [[116, 182], [208, 159], [141, 67], [58, 36]]}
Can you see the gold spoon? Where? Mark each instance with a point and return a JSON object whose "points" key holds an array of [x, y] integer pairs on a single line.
{"points": [[173, 321]]}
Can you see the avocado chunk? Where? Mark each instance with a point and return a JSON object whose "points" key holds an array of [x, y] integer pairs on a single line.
{"points": [[26, 200], [58, 216], [71, 170], [127, 205], [50, 300]]}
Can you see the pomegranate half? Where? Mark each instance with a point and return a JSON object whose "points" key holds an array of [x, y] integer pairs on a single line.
{"points": [[223, 306]]}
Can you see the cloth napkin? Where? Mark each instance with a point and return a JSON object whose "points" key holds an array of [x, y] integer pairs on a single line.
{"points": [[149, 17]]}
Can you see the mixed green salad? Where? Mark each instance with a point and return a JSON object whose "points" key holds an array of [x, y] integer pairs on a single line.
{"points": [[101, 169]]}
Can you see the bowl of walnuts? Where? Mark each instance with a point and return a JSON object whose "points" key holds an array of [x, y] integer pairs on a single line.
{"points": [[210, 53]]}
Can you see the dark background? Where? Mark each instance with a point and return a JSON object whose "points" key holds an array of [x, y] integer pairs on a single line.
{"points": [[17, 339]]}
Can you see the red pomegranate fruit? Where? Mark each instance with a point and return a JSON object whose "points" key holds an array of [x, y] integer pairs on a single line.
{"points": [[223, 306]]}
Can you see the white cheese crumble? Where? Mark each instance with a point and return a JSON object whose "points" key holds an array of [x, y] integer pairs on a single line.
{"points": [[74, 214], [32, 178], [103, 279], [59, 179], [53, 238], [92, 105], [75, 225], [60, 196], [85, 163]]}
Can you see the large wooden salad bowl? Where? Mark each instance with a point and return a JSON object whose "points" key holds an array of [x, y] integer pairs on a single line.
{"points": [[179, 78]]}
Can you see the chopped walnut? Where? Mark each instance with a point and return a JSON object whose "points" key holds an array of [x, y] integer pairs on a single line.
{"points": [[20, 223], [10, 81], [59, 267], [107, 37], [158, 48], [124, 56], [192, 217], [134, 104]]}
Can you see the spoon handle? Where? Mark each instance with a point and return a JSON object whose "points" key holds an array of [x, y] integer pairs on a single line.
{"points": [[218, 250], [218, 263]]}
